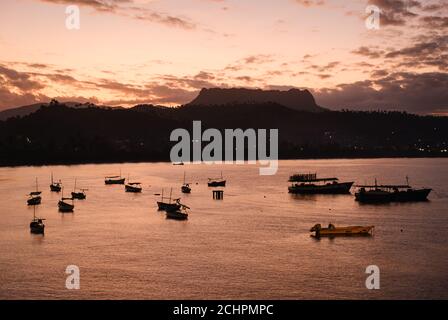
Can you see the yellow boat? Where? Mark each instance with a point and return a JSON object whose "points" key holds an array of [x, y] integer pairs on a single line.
{"points": [[341, 231]]}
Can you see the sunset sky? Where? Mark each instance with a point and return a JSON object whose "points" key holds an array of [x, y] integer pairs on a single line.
{"points": [[164, 51]]}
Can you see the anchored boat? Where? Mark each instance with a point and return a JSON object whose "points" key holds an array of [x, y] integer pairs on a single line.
{"points": [[169, 206], [34, 197], [55, 186], [114, 179], [216, 182], [65, 206], [80, 195], [390, 193], [185, 187], [134, 187], [178, 214], [309, 183], [37, 225], [341, 231]]}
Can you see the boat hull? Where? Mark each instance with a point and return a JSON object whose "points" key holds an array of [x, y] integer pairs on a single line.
{"points": [[65, 207], [176, 215], [114, 181], [410, 195], [344, 231], [132, 189], [34, 201], [78, 195], [217, 183], [373, 197], [168, 206], [185, 189], [37, 228], [55, 187], [331, 188]]}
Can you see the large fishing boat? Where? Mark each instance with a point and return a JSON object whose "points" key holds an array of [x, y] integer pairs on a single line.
{"points": [[390, 193], [309, 183]]}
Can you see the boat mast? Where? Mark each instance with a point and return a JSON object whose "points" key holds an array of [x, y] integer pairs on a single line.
{"points": [[74, 188], [37, 188], [184, 177], [171, 192]]}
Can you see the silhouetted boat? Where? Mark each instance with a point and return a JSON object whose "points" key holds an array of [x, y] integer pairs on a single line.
{"points": [[309, 184], [114, 179], [178, 164], [185, 187], [64, 206], [216, 182], [133, 187], [390, 193], [37, 225], [80, 195], [171, 205], [332, 231], [34, 197], [55, 186], [178, 214]]}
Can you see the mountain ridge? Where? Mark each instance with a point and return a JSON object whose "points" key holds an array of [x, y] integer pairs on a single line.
{"points": [[295, 99], [64, 135]]}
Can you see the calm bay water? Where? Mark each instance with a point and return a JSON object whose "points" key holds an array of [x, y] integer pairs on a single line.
{"points": [[254, 244]]}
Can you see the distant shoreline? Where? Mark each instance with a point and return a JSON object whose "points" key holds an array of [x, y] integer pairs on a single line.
{"points": [[74, 163]]}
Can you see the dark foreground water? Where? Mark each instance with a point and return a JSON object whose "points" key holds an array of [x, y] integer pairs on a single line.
{"points": [[254, 244]]}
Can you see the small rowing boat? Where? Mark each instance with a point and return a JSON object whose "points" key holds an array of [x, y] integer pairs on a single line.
{"points": [[332, 231]]}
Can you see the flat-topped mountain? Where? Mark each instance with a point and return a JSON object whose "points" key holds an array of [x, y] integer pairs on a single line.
{"points": [[296, 99]]}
